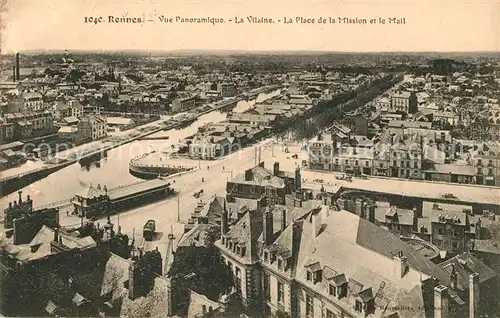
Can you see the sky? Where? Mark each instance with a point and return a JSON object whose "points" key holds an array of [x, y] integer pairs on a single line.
{"points": [[438, 25]]}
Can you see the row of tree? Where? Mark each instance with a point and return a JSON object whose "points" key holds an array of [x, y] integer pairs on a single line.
{"points": [[326, 112]]}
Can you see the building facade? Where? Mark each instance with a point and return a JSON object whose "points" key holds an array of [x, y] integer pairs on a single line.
{"points": [[92, 127]]}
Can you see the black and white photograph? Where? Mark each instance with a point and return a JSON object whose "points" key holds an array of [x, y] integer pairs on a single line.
{"points": [[304, 159]]}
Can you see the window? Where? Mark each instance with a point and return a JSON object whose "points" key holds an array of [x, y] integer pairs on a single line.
{"points": [[267, 286], [330, 314], [366, 163], [266, 256], [454, 245], [280, 263], [332, 290], [281, 293], [309, 306], [440, 231], [243, 250], [357, 162], [358, 306], [309, 275]]}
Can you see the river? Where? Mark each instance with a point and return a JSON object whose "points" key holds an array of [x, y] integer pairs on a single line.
{"points": [[113, 170]]}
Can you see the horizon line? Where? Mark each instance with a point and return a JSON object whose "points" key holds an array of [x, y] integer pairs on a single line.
{"points": [[237, 51]]}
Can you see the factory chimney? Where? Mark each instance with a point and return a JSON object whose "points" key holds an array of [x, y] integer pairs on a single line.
{"points": [[17, 67]]}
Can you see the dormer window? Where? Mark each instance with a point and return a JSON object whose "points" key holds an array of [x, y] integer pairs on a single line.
{"points": [[332, 290], [280, 263], [266, 256], [238, 250], [338, 286], [273, 257], [243, 250], [358, 306], [314, 273]]}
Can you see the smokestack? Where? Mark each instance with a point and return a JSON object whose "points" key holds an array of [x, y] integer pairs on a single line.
{"points": [[20, 196], [17, 67], [13, 73], [474, 295], [441, 302]]}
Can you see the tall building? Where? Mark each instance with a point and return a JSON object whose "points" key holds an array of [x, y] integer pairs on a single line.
{"points": [[404, 102], [92, 127], [333, 264], [487, 165]]}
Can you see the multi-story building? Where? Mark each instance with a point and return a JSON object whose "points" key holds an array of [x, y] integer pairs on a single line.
{"points": [[210, 147], [311, 268], [264, 186], [321, 151], [450, 227], [404, 102], [184, 101], [494, 126], [323, 148], [354, 160], [6, 130], [405, 153], [92, 127], [228, 89], [75, 109], [25, 125], [33, 101], [239, 248], [487, 164]]}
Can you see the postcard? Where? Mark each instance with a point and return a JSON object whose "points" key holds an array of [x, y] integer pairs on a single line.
{"points": [[231, 158]]}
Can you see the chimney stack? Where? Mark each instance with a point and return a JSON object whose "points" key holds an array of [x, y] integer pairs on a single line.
{"points": [[298, 179], [316, 224], [473, 295], [56, 235], [441, 302], [224, 222], [18, 77], [267, 233], [276, 168], [400, 265], [283, 219], [248, 175], [453, 277]]}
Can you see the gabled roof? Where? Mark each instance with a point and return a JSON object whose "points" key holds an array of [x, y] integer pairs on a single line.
{"points": [[466, 264]]}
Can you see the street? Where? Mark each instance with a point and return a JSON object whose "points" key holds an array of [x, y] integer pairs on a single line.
{"points": [[171, 213]]}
